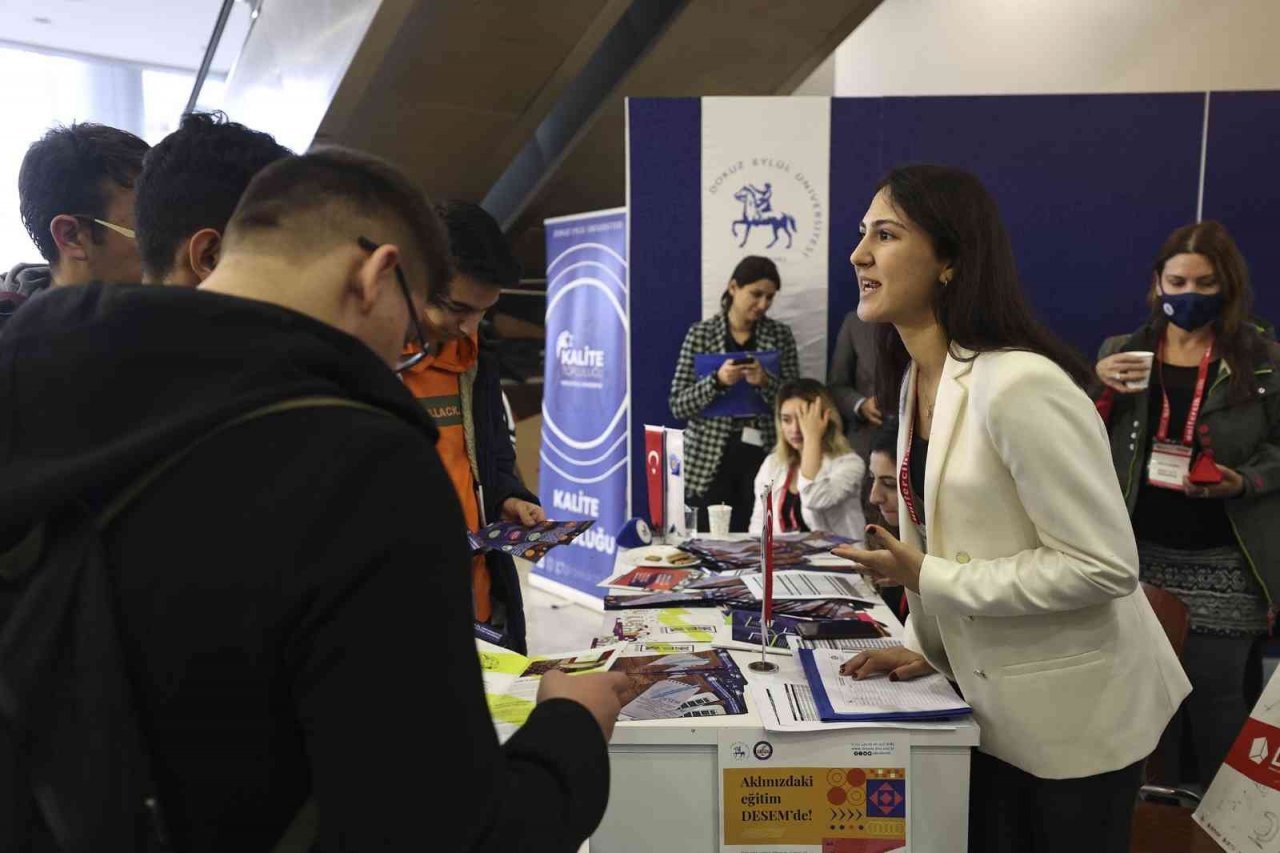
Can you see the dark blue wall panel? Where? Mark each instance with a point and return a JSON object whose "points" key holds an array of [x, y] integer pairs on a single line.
{"points": [[665, 258], [856, 166], [1242, 185], [1089, 187]]}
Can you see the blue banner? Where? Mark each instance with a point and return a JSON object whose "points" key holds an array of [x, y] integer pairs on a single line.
{"points": [[586, 398]]}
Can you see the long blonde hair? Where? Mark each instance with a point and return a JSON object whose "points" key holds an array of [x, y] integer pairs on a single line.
{"points": [[833, 441]]}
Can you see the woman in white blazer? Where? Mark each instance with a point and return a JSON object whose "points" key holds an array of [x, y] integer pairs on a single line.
{"points": [[1016, 548], [814, 477]]}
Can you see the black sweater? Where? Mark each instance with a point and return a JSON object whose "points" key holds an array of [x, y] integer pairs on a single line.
{"points": [[292, 625]]}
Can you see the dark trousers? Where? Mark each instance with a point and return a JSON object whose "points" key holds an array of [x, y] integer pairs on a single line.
{"points": [[733, 484], [1224, 674], [1011, 811]]}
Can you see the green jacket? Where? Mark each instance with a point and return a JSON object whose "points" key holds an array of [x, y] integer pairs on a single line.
{"points": [[1245, 437]]}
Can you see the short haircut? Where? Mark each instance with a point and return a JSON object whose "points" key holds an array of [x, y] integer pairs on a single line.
{"points": [[478, 246], [193, 179], [68, 170], [328, 196]]}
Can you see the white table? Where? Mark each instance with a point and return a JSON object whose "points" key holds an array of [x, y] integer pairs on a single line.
{"points": [[665, 793]]}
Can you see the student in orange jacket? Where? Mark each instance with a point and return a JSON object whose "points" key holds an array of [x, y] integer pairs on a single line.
{"points": [[458, 384]]}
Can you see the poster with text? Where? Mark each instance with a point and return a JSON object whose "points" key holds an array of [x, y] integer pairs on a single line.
{"points": [[842, 792], [585, 444], [1241, 809]]}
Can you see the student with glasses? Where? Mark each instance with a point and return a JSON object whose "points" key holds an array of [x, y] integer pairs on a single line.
{"points": [[458, 383], [76, 197], [293, 595]]}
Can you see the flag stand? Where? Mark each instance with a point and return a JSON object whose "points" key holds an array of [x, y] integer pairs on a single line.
{"points": [[766, 602]]}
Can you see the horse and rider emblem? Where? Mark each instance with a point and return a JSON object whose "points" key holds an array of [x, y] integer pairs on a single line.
{"points": [[757, 212]]}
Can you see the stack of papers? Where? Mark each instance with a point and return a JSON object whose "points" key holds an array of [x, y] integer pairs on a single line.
{"points": [[842, 698]]}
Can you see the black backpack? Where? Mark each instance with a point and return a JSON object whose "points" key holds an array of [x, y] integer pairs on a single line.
{"points": [[75, 772]]}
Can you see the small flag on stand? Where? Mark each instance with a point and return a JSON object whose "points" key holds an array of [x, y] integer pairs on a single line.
{"points": [[766, 567]]}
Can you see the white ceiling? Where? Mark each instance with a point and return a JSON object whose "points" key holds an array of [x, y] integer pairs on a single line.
{"points": [[170, 33]]}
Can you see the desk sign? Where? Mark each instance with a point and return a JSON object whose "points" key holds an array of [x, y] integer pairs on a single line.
{"points": [[843, 792], [1241, 809]]}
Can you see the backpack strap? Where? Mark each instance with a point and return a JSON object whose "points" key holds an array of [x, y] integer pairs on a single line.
{"points": [[301, 833], [127, 495]]}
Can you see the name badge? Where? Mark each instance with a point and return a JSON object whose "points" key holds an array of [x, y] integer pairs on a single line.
{"points": [[752, 436], [1169, 464]]}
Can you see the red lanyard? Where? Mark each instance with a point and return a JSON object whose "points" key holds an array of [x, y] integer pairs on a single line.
{"points": [[1188, 431], [904, 476], [791, 522]]}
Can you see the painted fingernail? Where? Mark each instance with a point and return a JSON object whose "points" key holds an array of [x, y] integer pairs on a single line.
{"points": [[893, 676]]}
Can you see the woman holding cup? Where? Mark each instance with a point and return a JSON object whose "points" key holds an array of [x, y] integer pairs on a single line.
{"points": [[723, 452], [1195, 437], [814, 477]]}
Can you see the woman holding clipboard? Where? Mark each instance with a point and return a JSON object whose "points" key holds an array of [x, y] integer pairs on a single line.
{"points": [[1016, 550], [1196, 444], [726, 380]]}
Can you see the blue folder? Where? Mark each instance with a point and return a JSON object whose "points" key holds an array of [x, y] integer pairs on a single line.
{"points": [[829, 715], [742, 400]]}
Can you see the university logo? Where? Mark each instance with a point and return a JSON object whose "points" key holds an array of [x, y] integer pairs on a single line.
{"points": [[758, 212], [579, 364]]}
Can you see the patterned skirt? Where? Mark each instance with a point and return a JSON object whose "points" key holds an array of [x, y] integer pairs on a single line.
{"points": [[1216, 584]]}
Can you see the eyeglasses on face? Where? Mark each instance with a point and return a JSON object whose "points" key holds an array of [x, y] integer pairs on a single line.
{"points": [[416, 327]]}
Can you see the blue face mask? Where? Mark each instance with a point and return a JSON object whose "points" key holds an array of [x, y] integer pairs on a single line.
{"points": [[1191, 311]]}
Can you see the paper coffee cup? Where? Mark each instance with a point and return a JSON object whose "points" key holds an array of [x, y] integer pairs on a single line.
{"points": [[718, 516], [1142, 383]]}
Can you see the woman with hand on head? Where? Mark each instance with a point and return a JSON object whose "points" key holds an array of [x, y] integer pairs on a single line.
{"points": [[813, 476], [723, 453], [1016, 550], [1196, 443]]}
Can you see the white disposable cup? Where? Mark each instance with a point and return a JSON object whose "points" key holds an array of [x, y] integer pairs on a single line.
{"points": [[718, 516], [1141, 384]]}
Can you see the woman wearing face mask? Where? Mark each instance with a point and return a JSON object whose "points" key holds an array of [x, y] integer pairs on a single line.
{"points": [[1016, 552], [814, 477], [1198, 456], [722, 453]]}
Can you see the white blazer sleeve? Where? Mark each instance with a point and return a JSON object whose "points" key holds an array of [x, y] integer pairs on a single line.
{"points": [[839, 480], [1054, 445], [762, 478]]}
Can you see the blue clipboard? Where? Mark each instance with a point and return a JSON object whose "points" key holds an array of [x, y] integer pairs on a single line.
{"points": [[829, 715], [742, 400]]}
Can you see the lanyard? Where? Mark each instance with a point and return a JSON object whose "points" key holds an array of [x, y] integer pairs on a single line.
{"points": [[904, 477], [1188, 431], [788, 522]]}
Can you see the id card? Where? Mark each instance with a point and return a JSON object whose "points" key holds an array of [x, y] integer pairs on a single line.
{"points": [[752, 436], [1169, 464]]}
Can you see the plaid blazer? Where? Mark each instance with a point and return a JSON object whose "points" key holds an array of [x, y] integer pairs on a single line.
{"points": [[705, 438]]}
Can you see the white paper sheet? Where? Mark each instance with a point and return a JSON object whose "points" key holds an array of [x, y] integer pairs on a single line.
{"points": [[801, 585], [877, 694]]}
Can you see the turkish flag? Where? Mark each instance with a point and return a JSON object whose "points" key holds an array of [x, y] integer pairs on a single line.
{"points": [[654, 454]]}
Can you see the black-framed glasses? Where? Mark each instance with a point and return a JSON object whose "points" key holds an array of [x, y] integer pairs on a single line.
{"points": [[410, 360]]}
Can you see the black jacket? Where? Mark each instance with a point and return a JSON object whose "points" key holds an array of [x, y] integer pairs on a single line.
{"points": [[291, 625], [496, 462]]}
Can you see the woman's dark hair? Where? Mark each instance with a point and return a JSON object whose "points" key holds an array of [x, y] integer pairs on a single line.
{"points": [[983, 308], [885, 438], [1238, 340], [750, 269]]}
